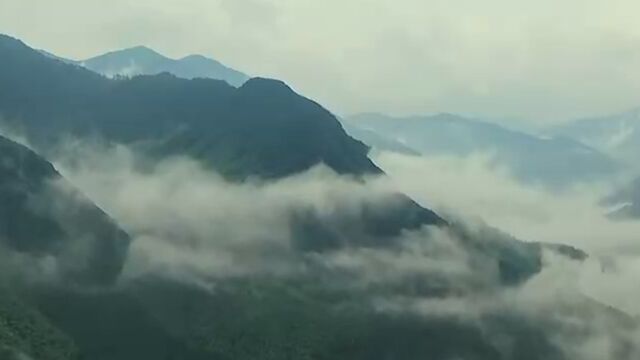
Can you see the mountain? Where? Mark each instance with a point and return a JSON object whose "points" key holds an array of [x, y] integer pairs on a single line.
{"points": [[311, 314], [141, 60], [378, 141], [554, 162], [43, 216], [361, 269], [617, 135], [625, 202], [25, 333], [261, 129], [626, 211], [56, 57], [49, 234]]}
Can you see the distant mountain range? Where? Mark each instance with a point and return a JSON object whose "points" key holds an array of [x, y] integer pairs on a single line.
{"points": [[261, 129], [617, 135], [377, 141], [141, 60], [554, 162]]}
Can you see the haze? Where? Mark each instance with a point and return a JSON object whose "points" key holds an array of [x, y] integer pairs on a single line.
{"points": [[525, 62]]}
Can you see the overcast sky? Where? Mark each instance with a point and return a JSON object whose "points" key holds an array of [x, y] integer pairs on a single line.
{"points": [[542, 60]]}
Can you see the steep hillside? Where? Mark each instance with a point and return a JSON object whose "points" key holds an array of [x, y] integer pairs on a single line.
{"points": [[373, 276], [42, 216], [260, 129]]}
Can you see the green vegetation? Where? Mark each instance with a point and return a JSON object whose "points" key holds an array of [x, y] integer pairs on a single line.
{"points": [[264, 319], [263, 129], [23, 330], [41, 219]]}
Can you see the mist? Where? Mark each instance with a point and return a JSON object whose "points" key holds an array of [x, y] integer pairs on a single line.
{"points": [[475, 188], [121, 250], [190, 224]]}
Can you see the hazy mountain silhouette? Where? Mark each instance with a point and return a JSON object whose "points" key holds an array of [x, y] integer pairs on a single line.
{"points": [[554, 162], [261, 129], [264, 129], [141, 60], [617, 135], [376, 140]]}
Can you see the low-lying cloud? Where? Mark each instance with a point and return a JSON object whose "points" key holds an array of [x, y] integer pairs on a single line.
{"points": [[188, 223], [475, 188]]}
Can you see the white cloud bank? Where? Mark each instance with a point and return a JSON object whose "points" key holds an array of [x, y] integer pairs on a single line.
{"points": [[474, 189], [191, 224]]}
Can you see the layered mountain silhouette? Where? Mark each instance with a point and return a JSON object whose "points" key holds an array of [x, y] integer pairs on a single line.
{"points": [[617, 135], [141, 60], [554, 162], [261, 129], [378, 141]]}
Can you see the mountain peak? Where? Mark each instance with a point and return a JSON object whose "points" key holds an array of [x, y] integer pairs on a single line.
{"points": [[196, 57], [261, 84], [6, 40], [139, 51], [139, 48], [141, 60]]}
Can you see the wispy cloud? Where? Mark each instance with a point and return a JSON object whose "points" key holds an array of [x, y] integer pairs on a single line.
{"points": [[190, 224]]}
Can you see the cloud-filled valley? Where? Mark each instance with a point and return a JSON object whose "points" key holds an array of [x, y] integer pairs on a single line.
{"points": [[174, 216], [191, 224]]}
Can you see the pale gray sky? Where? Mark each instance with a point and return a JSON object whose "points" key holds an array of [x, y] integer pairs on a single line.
{"points": [[540, 60]]}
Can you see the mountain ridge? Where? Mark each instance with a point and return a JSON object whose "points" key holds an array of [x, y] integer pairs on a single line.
{"points": [[142, 60], [617, 135], [553, 162], [356, 260], [207, 119]]}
